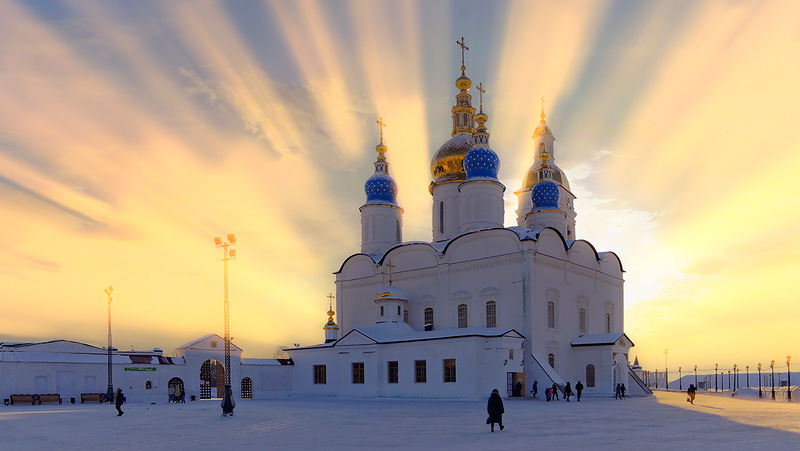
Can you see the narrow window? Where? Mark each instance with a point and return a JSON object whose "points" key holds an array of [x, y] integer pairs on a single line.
{"points": [[590, 375], [381, 310], [420, 371], [148, 385], [582, 320], [441, 217], [392, 372], [510, 354], [358, 372], [462, 316], [491, 314], [320, 374], [397, 236], [405, 316], [399, 311], [429, 317], [449, 370], [551, 314], [551, 359], [608, 323]]}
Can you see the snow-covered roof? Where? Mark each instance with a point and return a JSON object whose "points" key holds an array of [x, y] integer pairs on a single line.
{"points": [[602, 339], [262, 362]]}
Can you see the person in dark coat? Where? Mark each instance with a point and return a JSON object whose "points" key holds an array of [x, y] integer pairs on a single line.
{"points": [[535, 388], [495, 409], [547, 393], [518, 389], [579, 389], [622, 391], [119, 399], [567, 391], [554, 392], [691, 392], [616, 392]]}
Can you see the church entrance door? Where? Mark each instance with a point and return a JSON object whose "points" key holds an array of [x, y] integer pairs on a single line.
{"points": [[511, 383], [212, 379]]}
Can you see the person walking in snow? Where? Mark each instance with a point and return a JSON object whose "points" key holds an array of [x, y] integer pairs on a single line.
{"points": [[535, 388], [691, 392], [567, 391], [547, 393], [518, 389], [119, 399], [554, 392], [171, 392], [495, 409], [579, 389], [622, 391], [616, 392]]}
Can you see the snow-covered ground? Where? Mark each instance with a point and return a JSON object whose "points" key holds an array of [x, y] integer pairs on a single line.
{"points": [[663, 421]]}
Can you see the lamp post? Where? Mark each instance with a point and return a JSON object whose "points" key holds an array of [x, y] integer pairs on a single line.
{"points": [[730, 387], [227, 254], [110, 390], [735, 377], [656, 377], [666, 370], [695, 375], [716, 367], [760, 393], [789, 375], [772, 367], [680, 382], [747, 369]]}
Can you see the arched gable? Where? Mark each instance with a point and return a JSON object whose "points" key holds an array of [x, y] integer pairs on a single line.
{"points": [[611, 264], [411, 255], [482, 243], [550, 242], [356, 266], [581, 252]]}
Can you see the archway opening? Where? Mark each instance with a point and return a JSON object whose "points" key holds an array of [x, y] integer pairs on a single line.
{"points": [[175, 386], [212, 379]]}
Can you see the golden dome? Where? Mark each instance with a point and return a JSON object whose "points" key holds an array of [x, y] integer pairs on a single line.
{"points": [[463, 82], [532, 177], [448, 162]]}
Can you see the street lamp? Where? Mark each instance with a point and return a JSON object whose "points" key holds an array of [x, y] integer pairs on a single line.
{"points": [[730, 387], [110, 390], [747, 369], [695, 375], [735, 377], [789, 381], [680, 382], [227, 403], [772, 366], [666, 370], [716, 367], [656, 377], [760, 394]]}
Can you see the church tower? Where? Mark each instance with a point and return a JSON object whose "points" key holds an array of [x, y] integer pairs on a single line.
{"points": [[447, 165], [481, 194], [544, 144], [544, 197], [381, 217], [331, 329]]}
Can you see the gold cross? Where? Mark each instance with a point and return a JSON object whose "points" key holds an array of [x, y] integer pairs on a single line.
{"points": [[390, 266], [381, 124], [482, 91], [331, 297], [463, 47]]}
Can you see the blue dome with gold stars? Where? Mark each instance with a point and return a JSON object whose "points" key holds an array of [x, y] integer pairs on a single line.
{"points": [[545, 195], [481, 163], [381, 190]]}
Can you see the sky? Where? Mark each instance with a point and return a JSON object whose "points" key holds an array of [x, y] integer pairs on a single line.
{"points": [[133, 133]]}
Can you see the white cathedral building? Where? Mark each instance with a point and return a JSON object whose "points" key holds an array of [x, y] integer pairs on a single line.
{"points": [[482, 305]]}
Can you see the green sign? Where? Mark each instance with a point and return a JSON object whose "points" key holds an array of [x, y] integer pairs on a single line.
{"points": [[139, 368]]}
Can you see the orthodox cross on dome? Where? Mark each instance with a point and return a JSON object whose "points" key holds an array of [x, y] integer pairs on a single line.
{"points": [[331, 297], [381, 124], [463, 48], [482, 92], [390, 266], [542, 115]]}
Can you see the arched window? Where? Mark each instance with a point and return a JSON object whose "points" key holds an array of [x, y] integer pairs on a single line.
{"points": [[491, 314], [551, 359], [551, 314], [148, 385], [441, 216], [462, 316], [247, 388], [429, 317], [608, 323], [582, 320], [590, 375]]}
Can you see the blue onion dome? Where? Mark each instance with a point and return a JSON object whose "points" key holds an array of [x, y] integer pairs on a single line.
{"points": [[481, 163], [381, 189], [545, 195]]}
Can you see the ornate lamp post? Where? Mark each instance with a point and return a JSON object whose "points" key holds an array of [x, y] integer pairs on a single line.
{"points": [[735, 377], [789, 369], [680, 382], [666, 370], [695, 375], [716, 368], [760, 393], [227, 401], [747, 369], [110, 390], [772, 367]]}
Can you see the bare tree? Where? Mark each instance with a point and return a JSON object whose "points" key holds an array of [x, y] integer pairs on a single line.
{"points": [[280, 353]]}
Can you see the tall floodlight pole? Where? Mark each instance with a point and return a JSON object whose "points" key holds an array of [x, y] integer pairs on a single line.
{"points": [[680, 382], [716, 368], [110, 390], [227, 254], [772, 367], [789, 369]]}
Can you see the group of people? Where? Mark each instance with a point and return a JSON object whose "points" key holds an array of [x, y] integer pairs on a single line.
{"points": [[551, 393], [176, 394], [619, 392]]}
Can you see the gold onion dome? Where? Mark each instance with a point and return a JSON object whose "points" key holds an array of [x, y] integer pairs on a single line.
{"points": [[447, 163], [463, 82]]}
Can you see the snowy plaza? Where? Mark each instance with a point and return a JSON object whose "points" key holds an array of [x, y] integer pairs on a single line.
{"points": [[663, 421]]}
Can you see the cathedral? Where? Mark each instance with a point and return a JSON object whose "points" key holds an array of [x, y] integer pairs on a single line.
{"points": [[482, 305]]}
